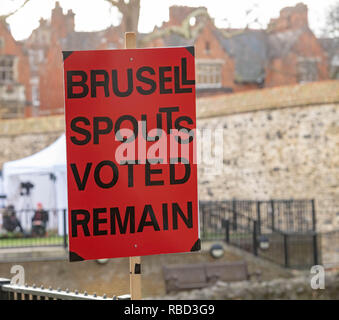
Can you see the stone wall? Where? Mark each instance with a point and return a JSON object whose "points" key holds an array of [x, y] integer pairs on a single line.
{"points": [[23, 137], [298, 288], [279, 143], [113, 277], [279, 154]]}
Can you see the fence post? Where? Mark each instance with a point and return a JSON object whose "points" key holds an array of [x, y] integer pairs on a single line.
{"points": [[314, 228], [234, 214], [258, 217], [272, 217], [203, 211], [315, 249], [65, 229], [4, 294], [290, 221], [255, 246], [286, 251], [226, 224], [314, 222]]}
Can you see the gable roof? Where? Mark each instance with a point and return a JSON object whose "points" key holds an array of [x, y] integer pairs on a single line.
{"points": [[82, 40], [250, 52], [281, 43], [177, 40]]}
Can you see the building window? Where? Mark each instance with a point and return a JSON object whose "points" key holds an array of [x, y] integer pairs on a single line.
{"points": [[207, 47], [209, 74], [307, 70], [6, 69], [35, 58], [35, 96]]}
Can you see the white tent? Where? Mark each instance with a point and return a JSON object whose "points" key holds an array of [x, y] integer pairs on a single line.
{"points": [[2, 201], [46, 170]]}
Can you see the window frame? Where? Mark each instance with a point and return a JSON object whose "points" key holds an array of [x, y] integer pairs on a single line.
{"points": [[210, 71], [304, 72], [8, 70]]}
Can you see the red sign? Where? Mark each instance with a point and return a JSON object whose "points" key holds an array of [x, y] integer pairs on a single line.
{"points": [[131, 166]]}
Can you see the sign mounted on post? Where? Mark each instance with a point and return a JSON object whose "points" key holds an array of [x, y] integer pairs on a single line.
{"points": [[131, 152]]}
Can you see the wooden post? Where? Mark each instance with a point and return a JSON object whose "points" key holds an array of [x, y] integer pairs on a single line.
{"points": [[130, 40], [135, 277], [134, 262]]}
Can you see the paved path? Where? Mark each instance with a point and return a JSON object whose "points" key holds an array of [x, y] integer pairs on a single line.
{"points": [[33, 254]]}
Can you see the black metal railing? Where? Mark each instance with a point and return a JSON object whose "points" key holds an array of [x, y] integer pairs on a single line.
{"points": [[291, 250], [286, 227], [281, 215], [22, 230], [282, 231], [10, 291]]}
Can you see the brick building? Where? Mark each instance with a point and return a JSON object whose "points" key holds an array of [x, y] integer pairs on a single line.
{"points": [[227, 60], [44, 49], [15, 91], [232, 60]]}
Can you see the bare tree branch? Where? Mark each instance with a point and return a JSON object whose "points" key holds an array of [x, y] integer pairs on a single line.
{"points": [[185, 29], [130, 13], [120, 4], [5, 16], [331, 28]]}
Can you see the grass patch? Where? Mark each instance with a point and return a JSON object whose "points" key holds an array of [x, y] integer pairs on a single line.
{"points": [[31, 242]]}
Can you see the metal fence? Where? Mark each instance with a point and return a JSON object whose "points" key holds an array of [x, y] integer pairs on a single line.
{"points": [[15, 292], [291, 250], [282, 231], [282, 215], [19, 230]]}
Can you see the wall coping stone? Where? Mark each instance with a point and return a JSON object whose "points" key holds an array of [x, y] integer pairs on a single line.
{"points": [[301, 95]]}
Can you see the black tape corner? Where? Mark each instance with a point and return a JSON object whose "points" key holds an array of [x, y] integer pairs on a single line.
{"points": [[196, 246], [66, 54], [190, 49], [137, 268], [74, 257]]}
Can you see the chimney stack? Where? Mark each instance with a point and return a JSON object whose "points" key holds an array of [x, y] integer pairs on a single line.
{"points": [[290, 18]]}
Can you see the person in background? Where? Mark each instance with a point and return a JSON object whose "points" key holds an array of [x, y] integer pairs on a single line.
{"points": [[10, 220], [39, 221]]}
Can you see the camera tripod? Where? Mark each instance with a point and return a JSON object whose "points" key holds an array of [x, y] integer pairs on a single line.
{"points": [[25, 208]]}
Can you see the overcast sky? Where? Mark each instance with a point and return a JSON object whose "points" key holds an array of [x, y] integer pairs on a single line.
{"points": [[94, 15]]}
